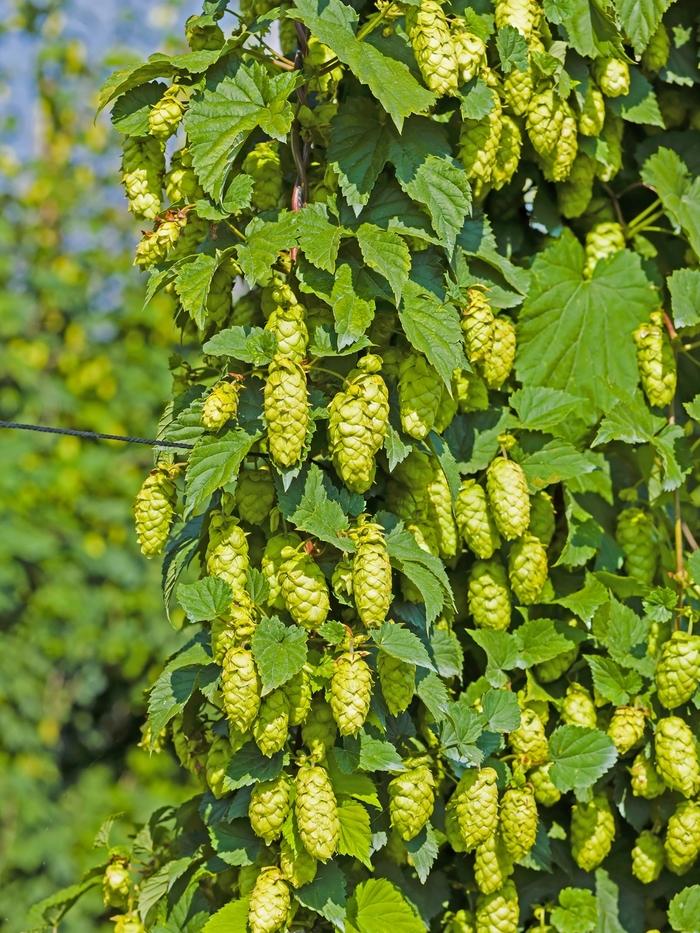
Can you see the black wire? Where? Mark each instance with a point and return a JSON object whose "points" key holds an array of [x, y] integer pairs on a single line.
{"points": [[92, 435]]}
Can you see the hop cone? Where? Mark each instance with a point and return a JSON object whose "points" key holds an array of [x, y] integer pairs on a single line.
{"points": [[545, 117], [592, 832], [602, 240], [656, 361], [270, 902], [545, 790], [493, 864], [452, 830], [510, 146], [165, 115], [298, 692], [498, 912], [549, 671], [411, 801], [518, 88], [478, 145], [527, 568], [116, 883], [488, 595], [221, 405], [371, 574], [542, 518], [155, 246], [341, 580], [316, 812], [319, 730], [592, 116], [497, 366], [678, 670], [470, 391], [181, 183], [578, 708], [447, 409], [287, 324], [612, 76], [154, 509], [477, 326], [203, 37], [476, 804], [645, 781], [474, 519], [270, 727], [574, 194], [298, 868], [656, 53], [528, 741], [636, 537], [518, 820], [269, 806], [647, 857], [676, 755], [128, 923], [508, 497], [218, 757], [398, 682], [227, 551], [557, 166], [265, 168], [431, 40], [420, 391], [255, 495], [240, 688], [626, 728], [523, 15], [271, 563], [351, 693], [286, 406], [682, 843], [304, 589], [219, 297], [471, 54], [143, 165], [461, 921], [440, 511]]}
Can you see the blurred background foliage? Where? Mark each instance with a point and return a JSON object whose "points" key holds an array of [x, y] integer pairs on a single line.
{"points": [[81, 621]]}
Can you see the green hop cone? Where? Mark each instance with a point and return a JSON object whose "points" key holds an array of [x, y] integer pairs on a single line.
{"points": [[298, 691], [507, 161], [221, 405], [529, 741], [411, 801], [371, 574], [227, 551], [519, 820], [644, 778], [459, 921], [341, 580], [647, 857], [498, 912], [255, 495], [497, 366], [265, 168], [517, 89], [272, 722], [157, 244], [523, 15], [440, 510], [271, 563], [452, 830], [287, 324], [319, 730], [682, 842], [678, 670], [316, 811], [676, 755], [218, 757], [286, 407], [578, 708], [240, 688], [602, 240], [527, 568], [181, 183], [475, 801], [574, 195], [493, 864], [447, 409], [545, 790], [165, 115], [270, 803], [508, 497], [128, 923], [143, 166], [655, 55], [351, 692], [203, 36], [626, 728], [558, 164], [471, 54], [488, 595], [116, 883], [478, 145], [270, 902], [636, 537], [219, 298], [542, 517], [299, 868], [431, 40], [592, 832], [154, 509], [544, 120], [549, 671], [420, 391], [477, 325], [612, 76], [656, 361], [398, 682], [592, 115], [304, 588], [474, 520]]}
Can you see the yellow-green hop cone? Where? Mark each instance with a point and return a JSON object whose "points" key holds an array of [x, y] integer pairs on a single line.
{"points": [[298, 868], [644, 778], [316, 811], [678, 670], [270, 902], [677, 756], [523, 15], [286, 407], [227, 551], [287, 324], [154, 509], [116, 883], [128, 923], [240, 688], [478, 145], [493, 864], [143, 165], [470, 391], [452, 830], [518, 823], [498, 912], [181, 183], [527, 568], [165, 115], [265, 168], [471, 54], [375, 395], [398, 682], [351, 692], [298, 692], [529, 741], [612, 76], [557, 166], [488, 595], [319, 730], [304, 589], [255, 495], [371, 574], [341, 580], [636, 537], [592, 832], [578, 708], [411, 801], [655, 55], [477, 325], [510, 146], [682, 842], [647, 857], [475, 801], [497, 366], [656, 361], [542, 517], [508, 497], [272, 722], [271, 563], [518, 88], [602, 240], [474, 519], [626, 728], [592, 116], [461, 921], [440, 511], [221, 405], [420, 391], [218, 757], [269, 806], [574, 195], [545, 790], [447, 409], [549, 671], [545, 117], [431, 40], [156, 245]]}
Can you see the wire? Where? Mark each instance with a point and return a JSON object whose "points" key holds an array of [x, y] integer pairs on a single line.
{"points": [[92, 435]]}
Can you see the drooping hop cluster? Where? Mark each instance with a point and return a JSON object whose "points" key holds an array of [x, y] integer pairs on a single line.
{"points": [[154, 510], [656, 361]]}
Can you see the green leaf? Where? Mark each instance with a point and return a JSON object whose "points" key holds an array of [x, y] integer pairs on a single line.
{"points": [[319, 239], [555, 462], [591, 31], [352, 314], [608, 898], [156, 886], [320, 516], [355, 832], [220, 119], [377, 906], [386, 253], [542, 409], [567, 319], [640, 104], [512, 49], [679, 192], [684, 286], [246, 344], [233, 918], [378, 755], [249, 766], [432, 326], [359, 148], [539, 640], [501, 710], [576, 912], [51, 910], [204, 599], [238, 194], [401, 643], [478, 101], [235, 843], [684, 910], [214, 462], [396, 449], [612, 682], [390, 81], [265, 239], [326, 895], [279, 651], [358, 786], [585, 601], [423, 850], [447, 653], [442, 186], [192, 283], [176, 684], [639, 19], [630, 420], [130, 113], [502, 648], [579, 757], [424, 570]]}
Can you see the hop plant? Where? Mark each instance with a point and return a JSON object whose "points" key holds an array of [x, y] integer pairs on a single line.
{"points": [[270, 902], [676, 755], [542, 517], [181, 183], [518, 820], [477, 325], [678, 670], [508, 497], [316, 811], [517, 90], [647, 857], [592, 115], [578, 708], [116, 882], [498, 912], [549, 671], [227, 551], [398, 681], [143, 166], [165, 115], [626, 728], [272, 561], [529, 741], [154, 509], [272, 722], [439, 498], [470, 51], [655, 55], [510, 145], [371, 574], [240, 688], [319, 730], [489, 597], [461, 921], [286, 407], [478, 145], [218, 757], [264, 166], [574, 194], [493, 864], [523, 15], [636, 537], [157, 244], [203, 36], [411, 801], [351, 692], [270, 803], [656, 361], [303, 588], [474, 519], [645, 780], [527, 568], [298, 867], [431, 40], [544, 120], [497, 366], [558, 164], [287, 324], [682, 842], [602, 240], [545, 790], [420, 391], [221, 405], [612, 76], [592, 832], [299, 695], [255, 495], [475, 802]]}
